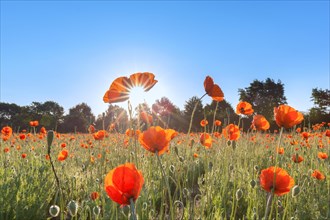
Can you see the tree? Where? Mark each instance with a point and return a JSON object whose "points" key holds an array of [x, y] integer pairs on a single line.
{"points": [[113, 115], [264, 96], [78, 119], [164, 110], [225, 113], [9, 114], [198, 114], [321, 110]]}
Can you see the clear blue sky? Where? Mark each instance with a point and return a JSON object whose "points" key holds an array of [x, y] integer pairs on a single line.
{"points": [[70, 52]]}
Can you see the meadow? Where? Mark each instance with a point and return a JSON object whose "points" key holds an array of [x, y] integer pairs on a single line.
{"points": [[150, 172]]}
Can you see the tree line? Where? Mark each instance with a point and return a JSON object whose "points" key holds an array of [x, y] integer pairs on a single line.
{"points": [[263, 95]]}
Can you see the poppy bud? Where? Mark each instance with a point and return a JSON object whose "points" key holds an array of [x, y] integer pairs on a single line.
{"points": [[239, 194], [50, 137], [172, 169], [181, 159], [73, 208], [96, 210], [54, 210], [295, 191], [253, 183]]}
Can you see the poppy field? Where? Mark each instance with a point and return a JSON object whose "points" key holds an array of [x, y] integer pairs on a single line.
{"points": [[154, 172]]}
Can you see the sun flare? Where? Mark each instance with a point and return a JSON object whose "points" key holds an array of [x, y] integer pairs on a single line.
{"points": [[138, 95]]}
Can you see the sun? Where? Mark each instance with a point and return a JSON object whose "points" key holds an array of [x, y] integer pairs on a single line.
{"points": [[138, 96]]}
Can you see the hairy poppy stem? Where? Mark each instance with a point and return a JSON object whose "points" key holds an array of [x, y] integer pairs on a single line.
{"points": [[167, 184], [193, 112], [132, 206], [269, 202], [215, 112]]}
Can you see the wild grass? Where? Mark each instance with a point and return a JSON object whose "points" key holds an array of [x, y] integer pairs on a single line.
{"points": [[221, 183]]}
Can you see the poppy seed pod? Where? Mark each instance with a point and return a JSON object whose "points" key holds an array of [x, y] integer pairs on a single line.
{"points": [[295, 190]]}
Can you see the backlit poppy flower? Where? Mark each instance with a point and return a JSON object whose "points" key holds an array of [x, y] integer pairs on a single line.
{"points": [[156, 139], [318, 175], [120, 88], [213, 90], [95, 196], [276, 179], [322, 155], [34, 123], [7, 131], [231, 132], [244, 108], [99, 135], [260, 123], [62, 155], [286, 116], [204, 122], [206, 140], [124, 183], [217, 123], [146, 118], [297, 159]]}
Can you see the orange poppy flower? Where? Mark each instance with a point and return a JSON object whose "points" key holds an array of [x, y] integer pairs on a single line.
{"points": [[327, 133], [206, 140], [195, 155], [305, 135], [260, 123], [132, 133], [297, 159], [62, 155], [244, 108], [24, 155], [63, 145], [123, 183], [145, 117], [231, 132], [99, 135], [217, 123], [95, 196], [322, 155], [318, 175], [204, 122], [280, 150], [7, 131], [120, 88], [43, 130], [286, 116], [217, 134], [6, 150], [213, 90], [282, 184], [156, 139], [34, 123]]}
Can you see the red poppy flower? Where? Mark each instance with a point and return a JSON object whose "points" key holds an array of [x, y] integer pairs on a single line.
{"points": [[322, 155], [286, 116], [91, 129], [123, 183], [204, 122], [206, 140], [244, 108], [231, 132], [318, 175], [99, 135], [62, 155], [297, 159], [43, 130], [146, 118], [280, 150], [22, 136], [276, 179], [260, 123], [120, 88], [156, 139], [24, 155], [34, 123], [95, 195], [217, 123], [213, 90], [7, 131]]}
